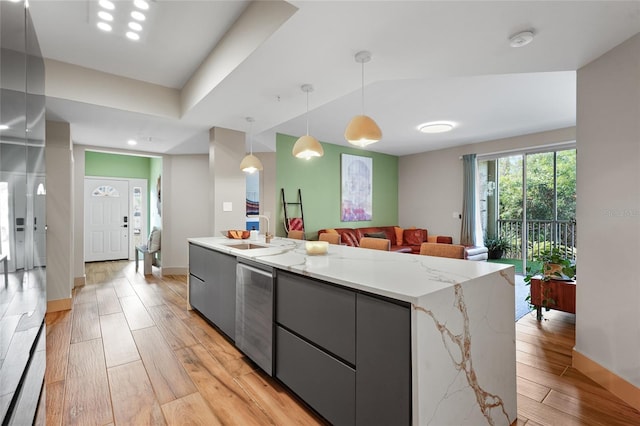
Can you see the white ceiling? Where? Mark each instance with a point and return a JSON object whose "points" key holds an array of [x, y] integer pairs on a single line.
{"points": [[432, 60]]}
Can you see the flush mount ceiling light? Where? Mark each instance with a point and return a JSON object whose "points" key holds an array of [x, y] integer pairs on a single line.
{"points": [[138, 16], [135, 26], [132, 142], [106, 4], [250, 163], [521, 39], [362, 130], [104, 26], [307, 146], [105, 16], [124, 18], [436, 127], [4, 127], [141, 4]]}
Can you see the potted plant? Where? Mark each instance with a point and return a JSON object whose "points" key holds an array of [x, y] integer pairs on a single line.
{"points": [[549, 264], [496, 246]]}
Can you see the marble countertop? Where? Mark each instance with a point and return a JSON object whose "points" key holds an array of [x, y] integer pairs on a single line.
{"points": [[401, 276]]}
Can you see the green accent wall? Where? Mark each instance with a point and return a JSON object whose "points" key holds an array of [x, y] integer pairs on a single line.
{"points": [[116, 165], [319, 182], [155, 171], [123, 166]]}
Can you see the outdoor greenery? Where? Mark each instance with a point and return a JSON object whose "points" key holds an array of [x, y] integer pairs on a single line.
{"points": [[539, 186]]}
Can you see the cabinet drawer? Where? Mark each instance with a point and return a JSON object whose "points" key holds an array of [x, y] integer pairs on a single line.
{"points": [[200, 296], [323, 382], [199, 258], [321, 313]]}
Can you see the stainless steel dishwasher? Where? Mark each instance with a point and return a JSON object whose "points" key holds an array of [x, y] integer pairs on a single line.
{"points": [[254, 312]]}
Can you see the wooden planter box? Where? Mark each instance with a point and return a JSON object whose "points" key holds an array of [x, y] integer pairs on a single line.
{"points": [[563, 294]]}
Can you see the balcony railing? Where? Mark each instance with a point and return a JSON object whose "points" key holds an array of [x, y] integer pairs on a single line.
{"points": [[541, 235]]}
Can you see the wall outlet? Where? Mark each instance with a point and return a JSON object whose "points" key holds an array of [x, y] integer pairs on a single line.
{"points": [[456, 215], [227, 206]]}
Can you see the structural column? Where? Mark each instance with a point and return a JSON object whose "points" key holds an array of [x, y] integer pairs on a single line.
{"points": [[227, 190]]}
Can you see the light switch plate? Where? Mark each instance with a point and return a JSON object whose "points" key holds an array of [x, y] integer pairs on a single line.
{"points": [[227, 206], [455, 215]]}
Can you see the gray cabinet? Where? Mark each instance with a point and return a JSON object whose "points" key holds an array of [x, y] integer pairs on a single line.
{"points": [[383, 362], [212, 286], [345, 353], [323, 382], [324, 314]]}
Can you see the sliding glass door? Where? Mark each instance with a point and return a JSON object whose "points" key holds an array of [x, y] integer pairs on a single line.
{"points": [[529, 200]]}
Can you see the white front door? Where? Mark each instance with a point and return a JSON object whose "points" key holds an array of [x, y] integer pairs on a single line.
{"points": [[39, 222], [106, 223]]}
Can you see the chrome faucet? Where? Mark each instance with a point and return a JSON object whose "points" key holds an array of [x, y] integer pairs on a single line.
{"points": [[267, 235]]}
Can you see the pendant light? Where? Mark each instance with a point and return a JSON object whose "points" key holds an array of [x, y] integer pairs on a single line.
{"points": [[250, 163], [307, 146], [362, 130]]}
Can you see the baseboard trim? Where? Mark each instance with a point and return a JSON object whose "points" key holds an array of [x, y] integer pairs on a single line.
{"points": [[59, 305], [607, 379], [174, 271], [79, 281]]}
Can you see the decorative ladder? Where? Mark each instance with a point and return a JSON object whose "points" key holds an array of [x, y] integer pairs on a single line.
{"points": [[292, 223]]}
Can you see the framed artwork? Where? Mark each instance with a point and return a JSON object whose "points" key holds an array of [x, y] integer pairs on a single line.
{"points": [[357, 188]]}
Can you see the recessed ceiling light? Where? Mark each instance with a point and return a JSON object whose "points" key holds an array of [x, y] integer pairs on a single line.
{"points": [[135, 26], [105, 16], [141, 4], [104, 26], [132, 142], [107, 4], [138, 16], [3, 127], [133, 36], [521, 39], [436, 127]]}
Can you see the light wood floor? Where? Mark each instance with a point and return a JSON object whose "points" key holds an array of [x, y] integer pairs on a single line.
{"points": [[130, 353]]}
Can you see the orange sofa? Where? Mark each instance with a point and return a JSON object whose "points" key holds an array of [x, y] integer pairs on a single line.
{"points": [[402, 240]]}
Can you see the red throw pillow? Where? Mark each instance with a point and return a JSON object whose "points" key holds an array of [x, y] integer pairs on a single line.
{"points": [[413, 237]]}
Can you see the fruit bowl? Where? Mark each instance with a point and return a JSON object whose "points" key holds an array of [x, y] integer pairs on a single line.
{"points": [[236, 234]]}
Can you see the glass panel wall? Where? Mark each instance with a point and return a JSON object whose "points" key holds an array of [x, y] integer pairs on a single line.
{"points": [[23, 299]]}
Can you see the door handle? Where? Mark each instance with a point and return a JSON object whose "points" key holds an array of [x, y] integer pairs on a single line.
{"points": [[124, 226]]}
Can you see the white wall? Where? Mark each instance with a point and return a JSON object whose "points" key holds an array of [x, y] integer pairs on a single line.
{"points": [[268, 193], [430, 183], [227, 182], [59, 204], [185, 207], [608, 214], [78, 212]]}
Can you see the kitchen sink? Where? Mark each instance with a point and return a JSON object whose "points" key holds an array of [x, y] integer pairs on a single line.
{"points": [[246, 246]]}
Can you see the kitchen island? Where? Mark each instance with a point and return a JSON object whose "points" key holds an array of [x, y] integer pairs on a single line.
{"points": [[451, 320]]}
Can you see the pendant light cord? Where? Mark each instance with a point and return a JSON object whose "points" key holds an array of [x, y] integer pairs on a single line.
{"points": [[250, 120], [362, 87], [307, 113]]}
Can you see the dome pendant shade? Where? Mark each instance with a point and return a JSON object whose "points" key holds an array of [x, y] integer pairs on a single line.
{"points": [[362, 131], [250, 164], [307, 147]]}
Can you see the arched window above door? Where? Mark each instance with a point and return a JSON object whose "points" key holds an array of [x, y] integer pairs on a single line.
{"points": [[105, 191]]}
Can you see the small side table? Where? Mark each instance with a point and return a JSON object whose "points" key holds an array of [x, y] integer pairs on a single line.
{"points": [[563, 294]]}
